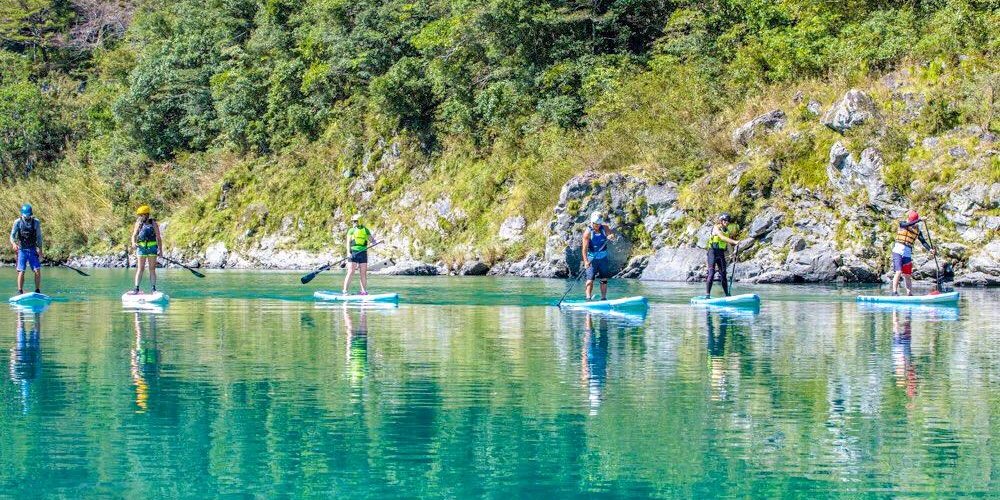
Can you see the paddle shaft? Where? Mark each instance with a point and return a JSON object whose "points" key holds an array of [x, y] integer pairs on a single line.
{"points": [[67, 266], [736, 254], [937, 269], [577, 280], [172, 261]]}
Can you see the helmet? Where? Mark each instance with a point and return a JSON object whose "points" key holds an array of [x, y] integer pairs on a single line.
{"points": [[725, 216], [26, 209], [143, 210], [912, 216], [596, 218], [355, 217]]}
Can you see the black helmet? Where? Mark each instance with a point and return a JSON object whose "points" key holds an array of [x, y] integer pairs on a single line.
{"points": [[725, 216]]}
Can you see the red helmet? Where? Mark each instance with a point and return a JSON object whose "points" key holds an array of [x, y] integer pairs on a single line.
{"points": [[912, 216]]}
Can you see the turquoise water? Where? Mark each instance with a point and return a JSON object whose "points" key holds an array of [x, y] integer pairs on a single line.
{"points": [[478, 387]]}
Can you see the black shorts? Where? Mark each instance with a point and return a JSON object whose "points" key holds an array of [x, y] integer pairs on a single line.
{"points": [[599, 268], [359, 257]]}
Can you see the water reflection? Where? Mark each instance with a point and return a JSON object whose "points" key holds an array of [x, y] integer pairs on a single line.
{"points": [[594, 362], [145, 359], [26, 355], [356, 333]]}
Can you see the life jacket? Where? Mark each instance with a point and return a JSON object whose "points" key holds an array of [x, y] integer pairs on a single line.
{"points": [[907, 235], [27, 233], [597, 248], [359, 237], [147, 232], [719, 243]]}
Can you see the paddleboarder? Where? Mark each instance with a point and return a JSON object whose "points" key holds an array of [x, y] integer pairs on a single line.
{"points": [[722, 236], [148, 245], [595, 254], [26, 239], [902, 251], [359, 238]]}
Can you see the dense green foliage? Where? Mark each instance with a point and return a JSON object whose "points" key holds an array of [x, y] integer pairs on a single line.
{"points": [[522, 92]]}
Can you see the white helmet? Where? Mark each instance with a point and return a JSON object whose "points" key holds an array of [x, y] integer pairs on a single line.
{"points": [[596, 218]]}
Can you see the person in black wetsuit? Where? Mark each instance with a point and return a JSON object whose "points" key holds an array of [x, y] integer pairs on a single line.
{"points": [[722, 237]]}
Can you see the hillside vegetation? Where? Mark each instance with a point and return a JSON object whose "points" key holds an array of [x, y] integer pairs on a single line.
{"points": [[242, 119]]}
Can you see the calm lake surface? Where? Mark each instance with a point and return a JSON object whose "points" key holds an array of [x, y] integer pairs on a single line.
{"points": [[479, 387]]}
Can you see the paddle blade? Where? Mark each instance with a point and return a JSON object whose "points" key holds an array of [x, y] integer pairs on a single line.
{"points": [[81, 273], [196, 273]]}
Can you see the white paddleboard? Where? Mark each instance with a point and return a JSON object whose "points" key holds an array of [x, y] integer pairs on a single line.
{"points": [[623, 303], [940, 298], [746, 299], [138, 299], [339, 297], [30, 298]]}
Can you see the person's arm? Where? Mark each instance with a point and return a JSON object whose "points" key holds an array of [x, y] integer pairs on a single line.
{"points": [[13, 235], [350, 235], [608, 231], [135, 233], [38, 239], [159, 240], [718, 232], [371, 238], [923, 242], [583, 248], [905, 225]]}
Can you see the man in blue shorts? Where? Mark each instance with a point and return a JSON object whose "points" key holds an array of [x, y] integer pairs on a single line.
{"points": [[26, 239], [595, 254]]}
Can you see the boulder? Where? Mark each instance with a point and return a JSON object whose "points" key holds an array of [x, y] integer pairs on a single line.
{"points": [[814, 264], [781, 236], [636, 265], [855, 108], [216, 255], [978, 279], [676, 264], [410, 268], [767, 122], [848, 175], [532, 266], [474, 268], [987, 259], [765, 222], [512, 229], [814, 107]]}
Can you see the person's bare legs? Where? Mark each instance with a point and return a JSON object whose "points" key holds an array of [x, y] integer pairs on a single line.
{"points": [[589, 289], [347, 279], [895, 281], [604, 290], [140, 265], [20, 280], [908, 279], [364, 277], [38, 279], [151, 262]]}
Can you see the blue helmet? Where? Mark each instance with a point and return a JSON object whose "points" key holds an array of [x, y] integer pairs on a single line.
{"points": [[26, 209]]}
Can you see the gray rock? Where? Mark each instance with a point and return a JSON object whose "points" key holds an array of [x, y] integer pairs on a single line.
{"points": [[978, 279], [987, 259], [958, 152], [847, 174], [410, 268], [216, 255], [770, 121], [474, 268], [765, 222], [814, 264], [930, 142], [781, 236], [814, 107], [675, 264], [636, 265], [512, 229], [852, 110]]}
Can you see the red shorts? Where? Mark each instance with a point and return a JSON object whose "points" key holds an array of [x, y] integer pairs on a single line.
{"points": [[903, 264]]}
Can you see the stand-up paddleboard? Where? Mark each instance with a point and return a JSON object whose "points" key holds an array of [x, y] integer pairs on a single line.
{"points": [[139, 299], [339, 297], [30, 299], [939, 298], [746, 299], [623, 303]]}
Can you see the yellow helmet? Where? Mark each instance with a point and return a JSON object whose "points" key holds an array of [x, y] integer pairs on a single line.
{"points": [[143, 210]]}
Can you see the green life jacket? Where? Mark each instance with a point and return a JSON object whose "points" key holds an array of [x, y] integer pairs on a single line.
{"points": [[359, 237], [716, 242]]}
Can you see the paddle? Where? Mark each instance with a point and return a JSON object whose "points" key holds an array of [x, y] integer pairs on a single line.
{"points": [[736, 254], [937, 269], [172, 261], [309, 277], [67, 266], [582, 272]]}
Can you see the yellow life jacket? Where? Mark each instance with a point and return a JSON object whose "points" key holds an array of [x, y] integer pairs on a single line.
{"points": [[716, 242], [907, 235]]}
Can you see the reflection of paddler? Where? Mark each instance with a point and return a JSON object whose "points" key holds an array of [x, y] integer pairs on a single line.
{"points": [[26, 356], [902, 353], [145, 362], [357, 344], [594, 364]]}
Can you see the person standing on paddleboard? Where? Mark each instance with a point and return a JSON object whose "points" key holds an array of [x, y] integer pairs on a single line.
{"points": [[722, 236], [359, 238], [595, 254], [902, 251], [26, 239], [148, 245]]}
